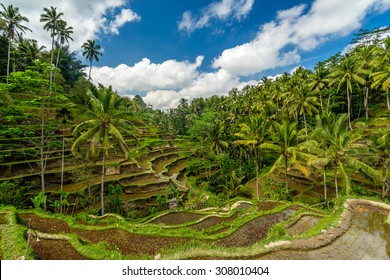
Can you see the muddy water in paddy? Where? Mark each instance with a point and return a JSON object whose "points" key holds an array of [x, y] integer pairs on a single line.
{"points": [[368, 238]]}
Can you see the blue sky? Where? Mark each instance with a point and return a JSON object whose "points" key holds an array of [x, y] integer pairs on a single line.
{"points": [[167, 50]]}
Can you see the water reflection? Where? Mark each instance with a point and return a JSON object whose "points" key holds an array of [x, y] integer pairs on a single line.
{"points": [[373, 222], [368, 237]]}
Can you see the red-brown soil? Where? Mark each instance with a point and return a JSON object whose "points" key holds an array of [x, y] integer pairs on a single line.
{"points": [[47, 249], [256, 230], [130, 243], [127, 243], [213, 221]]}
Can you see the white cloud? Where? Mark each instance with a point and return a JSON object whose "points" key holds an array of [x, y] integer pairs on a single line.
{"points": [[147, 76], [88, 18], [279, 42], [163, 99], [223, 10], [124, 17], [205, 85]]}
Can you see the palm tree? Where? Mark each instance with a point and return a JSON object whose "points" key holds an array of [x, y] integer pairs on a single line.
{"points": [[382, 79], [365, 55], [214, 136], [319, 80], [51, 19], [64, 115], [103, 129], [92, 52], [346, 74], [63, 34], [253, 134], [303, 101], [385, 51], [335, 143], [30, 49], [288, 148], [13, 20]]}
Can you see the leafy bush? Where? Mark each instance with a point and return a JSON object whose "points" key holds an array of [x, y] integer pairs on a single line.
{"points": [[12, 194], [39, 200]]}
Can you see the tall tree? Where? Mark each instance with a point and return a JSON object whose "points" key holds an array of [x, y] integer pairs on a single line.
{"points": [[318, 80], [253, 134], [13, 21], [214, 136], [381, 80], [304, 102], [286, 144], [63, 34], [335, 142], [346, 74], [103, 129], [64, 115], [51, 19], [30, 49], [92, 52], [365, 56]]}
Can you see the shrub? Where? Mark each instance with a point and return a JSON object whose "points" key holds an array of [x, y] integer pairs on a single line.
{"points": [[12, 194]]}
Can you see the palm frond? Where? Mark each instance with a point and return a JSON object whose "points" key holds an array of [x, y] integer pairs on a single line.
{"points": [[84, 137], [366, 169], [271, 147]]}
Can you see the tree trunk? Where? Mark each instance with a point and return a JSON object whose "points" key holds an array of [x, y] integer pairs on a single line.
{"points": [[102, 183], [322, 106], [51, 65], [325, 197], [385, 184], [57, 61], [329, 95], [286, 164], [42, 159], [349, 108], [9, 57], [90, 69], [62, 164], [257, 174], [335, 182], [304, 119], [366, 102]]}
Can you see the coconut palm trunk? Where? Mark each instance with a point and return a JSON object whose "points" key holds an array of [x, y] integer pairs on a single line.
{"points": [[257, 174], [325, 194], [90, 70], [366, 101], [335, 182], [385, 183], [304, 120], [43, 160], [349, 107], [9, 58], [62, 164], [102, 183]]}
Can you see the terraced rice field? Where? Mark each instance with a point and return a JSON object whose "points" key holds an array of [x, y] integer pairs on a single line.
{"points": [[239, 233]]}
